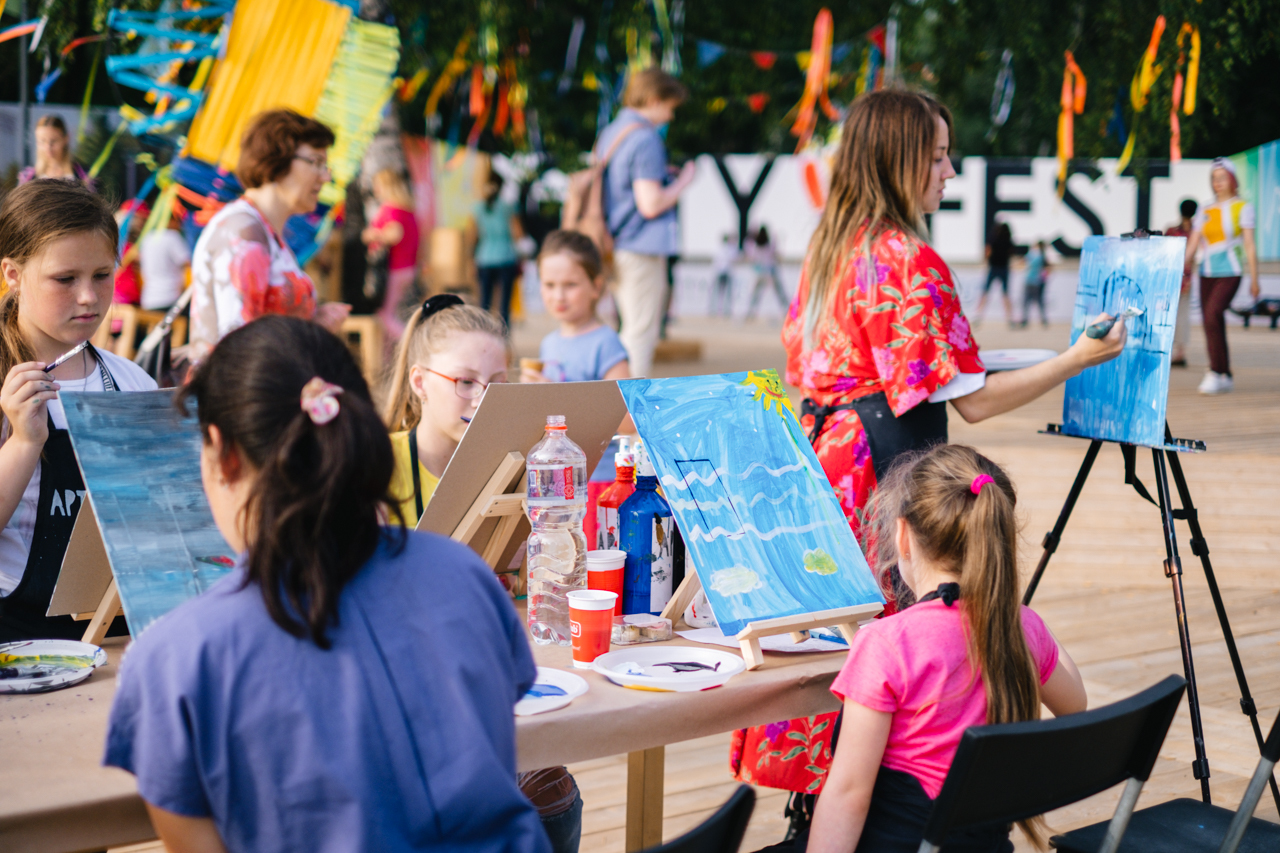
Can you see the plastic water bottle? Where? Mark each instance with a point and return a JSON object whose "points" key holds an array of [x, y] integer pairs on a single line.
{"points": [[557, 499]]}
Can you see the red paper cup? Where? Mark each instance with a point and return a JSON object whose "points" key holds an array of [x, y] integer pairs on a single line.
{"points": [[604, 572], [590, 624]]}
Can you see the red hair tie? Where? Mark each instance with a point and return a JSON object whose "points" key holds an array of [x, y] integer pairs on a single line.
{"points": [[980, 481]]}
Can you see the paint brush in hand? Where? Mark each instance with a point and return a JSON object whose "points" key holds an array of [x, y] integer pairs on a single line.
{"points": [[66, 356], [1100, 329]]}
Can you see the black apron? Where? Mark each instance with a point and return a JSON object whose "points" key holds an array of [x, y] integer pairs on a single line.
{"points": [[62, 492], [888, 436]]}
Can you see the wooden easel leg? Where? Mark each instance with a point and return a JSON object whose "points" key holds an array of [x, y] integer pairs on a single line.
{"points": [[107, 610], [499, 540], [684, 594], [644, 798], [799, 636], [751, 652], [847, 630]]}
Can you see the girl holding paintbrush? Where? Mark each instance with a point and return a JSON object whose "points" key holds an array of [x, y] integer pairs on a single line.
{"points": [[58, 244]]}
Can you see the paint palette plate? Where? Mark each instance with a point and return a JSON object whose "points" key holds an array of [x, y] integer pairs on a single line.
{"points": [[996, 360], [38, 666], [666, 668], [553, 689]]}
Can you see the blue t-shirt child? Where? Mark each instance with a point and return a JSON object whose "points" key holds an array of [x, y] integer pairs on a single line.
{"points": [[400, 737], [581, 358]]}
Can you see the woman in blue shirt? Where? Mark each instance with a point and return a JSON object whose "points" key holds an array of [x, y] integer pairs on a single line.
{"points": [[495, 228], [320, 698]]}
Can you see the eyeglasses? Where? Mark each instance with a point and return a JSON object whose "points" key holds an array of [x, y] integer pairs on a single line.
{"points": [[318, 165], [467, 389]]}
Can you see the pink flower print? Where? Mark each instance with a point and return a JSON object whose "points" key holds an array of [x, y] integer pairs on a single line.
{"points": [[794, 311], [845, 486], [917, 370], [912, 397], [894, 243], [881, 272], [816, 363], [773, 731], [844, 383], [958, 334], [861, 453], [885, 365]]}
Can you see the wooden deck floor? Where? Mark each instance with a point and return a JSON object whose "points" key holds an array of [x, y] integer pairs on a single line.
{"points": [[1105, 595]]}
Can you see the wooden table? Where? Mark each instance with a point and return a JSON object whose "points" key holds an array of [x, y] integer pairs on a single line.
{"points": [[58, 797]]}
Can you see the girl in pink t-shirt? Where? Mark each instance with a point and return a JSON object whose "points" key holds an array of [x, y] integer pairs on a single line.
{"points": [[966, 654], [396, 228]]}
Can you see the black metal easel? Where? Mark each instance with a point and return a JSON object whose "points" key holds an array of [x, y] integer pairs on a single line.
{"points": [[1172, 570]]}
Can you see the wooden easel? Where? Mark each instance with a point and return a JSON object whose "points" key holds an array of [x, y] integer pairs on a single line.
{"points": [[843, 619], [502, 498], [85, 580]]}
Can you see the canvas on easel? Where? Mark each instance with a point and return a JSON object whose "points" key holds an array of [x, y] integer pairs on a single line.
{"points": [[762, 526], [1124, 399], [479, 499], [141, 466]]}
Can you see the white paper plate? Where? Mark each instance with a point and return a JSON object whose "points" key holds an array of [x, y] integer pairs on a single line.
{"points": [[38, 666], [644, 668], [560, 688], [996, 360]]}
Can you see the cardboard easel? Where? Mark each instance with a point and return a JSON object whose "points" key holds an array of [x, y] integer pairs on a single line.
{"points": [[842, 619], [480, 498], [86, 588]]}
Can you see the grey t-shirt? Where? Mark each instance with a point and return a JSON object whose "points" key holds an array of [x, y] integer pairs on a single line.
{"points": [[640, 156]]}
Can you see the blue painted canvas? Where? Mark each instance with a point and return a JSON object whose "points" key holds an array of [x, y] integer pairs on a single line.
{"points": [[761, 523], [141, 467], [1124, 399]]}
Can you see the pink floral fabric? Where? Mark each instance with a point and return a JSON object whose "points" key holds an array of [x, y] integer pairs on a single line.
{"points": [[894, 325]]}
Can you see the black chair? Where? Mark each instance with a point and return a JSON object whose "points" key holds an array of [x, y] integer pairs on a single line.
{"points": [[1014, 771], [720, 833], [1190, 826]]}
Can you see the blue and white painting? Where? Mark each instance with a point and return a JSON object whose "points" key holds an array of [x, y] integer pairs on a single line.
{"points": [[1124, 399], [760, 520], [141, 465]]}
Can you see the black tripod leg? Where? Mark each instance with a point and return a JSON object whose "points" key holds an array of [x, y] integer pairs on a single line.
{"points": [[1200, 548], [1054, 536], [1173, 570]]}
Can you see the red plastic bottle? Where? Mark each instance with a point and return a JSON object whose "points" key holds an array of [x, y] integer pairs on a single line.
{"points": [[607, 536]]}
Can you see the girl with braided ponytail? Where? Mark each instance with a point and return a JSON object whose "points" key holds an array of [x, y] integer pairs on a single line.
{"points": [[314, 699], [966, 653]]}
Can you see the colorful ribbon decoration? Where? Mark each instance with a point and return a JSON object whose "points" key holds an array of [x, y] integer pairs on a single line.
{"points": [[1073, 92], [26, 28], [816, 80], [1184, 96], [1002, 95], [1140, 89]]}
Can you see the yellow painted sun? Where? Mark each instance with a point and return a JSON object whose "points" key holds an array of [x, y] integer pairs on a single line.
{"points": [[767, 387]]}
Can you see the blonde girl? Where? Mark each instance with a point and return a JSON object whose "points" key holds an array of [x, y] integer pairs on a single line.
{"points": [[58, 244], [449, 355], [967, 653]]}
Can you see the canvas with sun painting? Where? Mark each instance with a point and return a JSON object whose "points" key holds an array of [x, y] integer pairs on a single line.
{"points": [[761, 523]]}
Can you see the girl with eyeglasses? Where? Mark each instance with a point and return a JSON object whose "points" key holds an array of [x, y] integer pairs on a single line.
{"points": [[449, 356]]}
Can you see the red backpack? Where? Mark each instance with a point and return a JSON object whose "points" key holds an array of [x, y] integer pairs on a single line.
{"points": [[583, 209]]}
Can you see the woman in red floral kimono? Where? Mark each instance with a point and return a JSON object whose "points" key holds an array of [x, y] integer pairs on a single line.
{"points": [[877, 341]]}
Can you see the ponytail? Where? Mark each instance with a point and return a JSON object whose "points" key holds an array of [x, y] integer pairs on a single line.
{"points": [[322, 468], [423, 337], [960, 508]]}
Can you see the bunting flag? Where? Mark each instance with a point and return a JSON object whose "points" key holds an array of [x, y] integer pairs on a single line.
{"points": [[1140, 88], [869, 77], [1002, 95], [571, 55], [453, 69], [26, 28], [1073, 93], [816, 81], [710, 52], [764, 59], [758, 102], [1184, 92]]}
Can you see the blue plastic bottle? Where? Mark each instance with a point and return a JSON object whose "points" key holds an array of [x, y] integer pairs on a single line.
{"points": [[648, 534]]}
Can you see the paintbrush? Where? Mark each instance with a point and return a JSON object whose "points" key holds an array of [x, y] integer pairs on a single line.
{"points": [[66, 356], [1102, 327]]}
